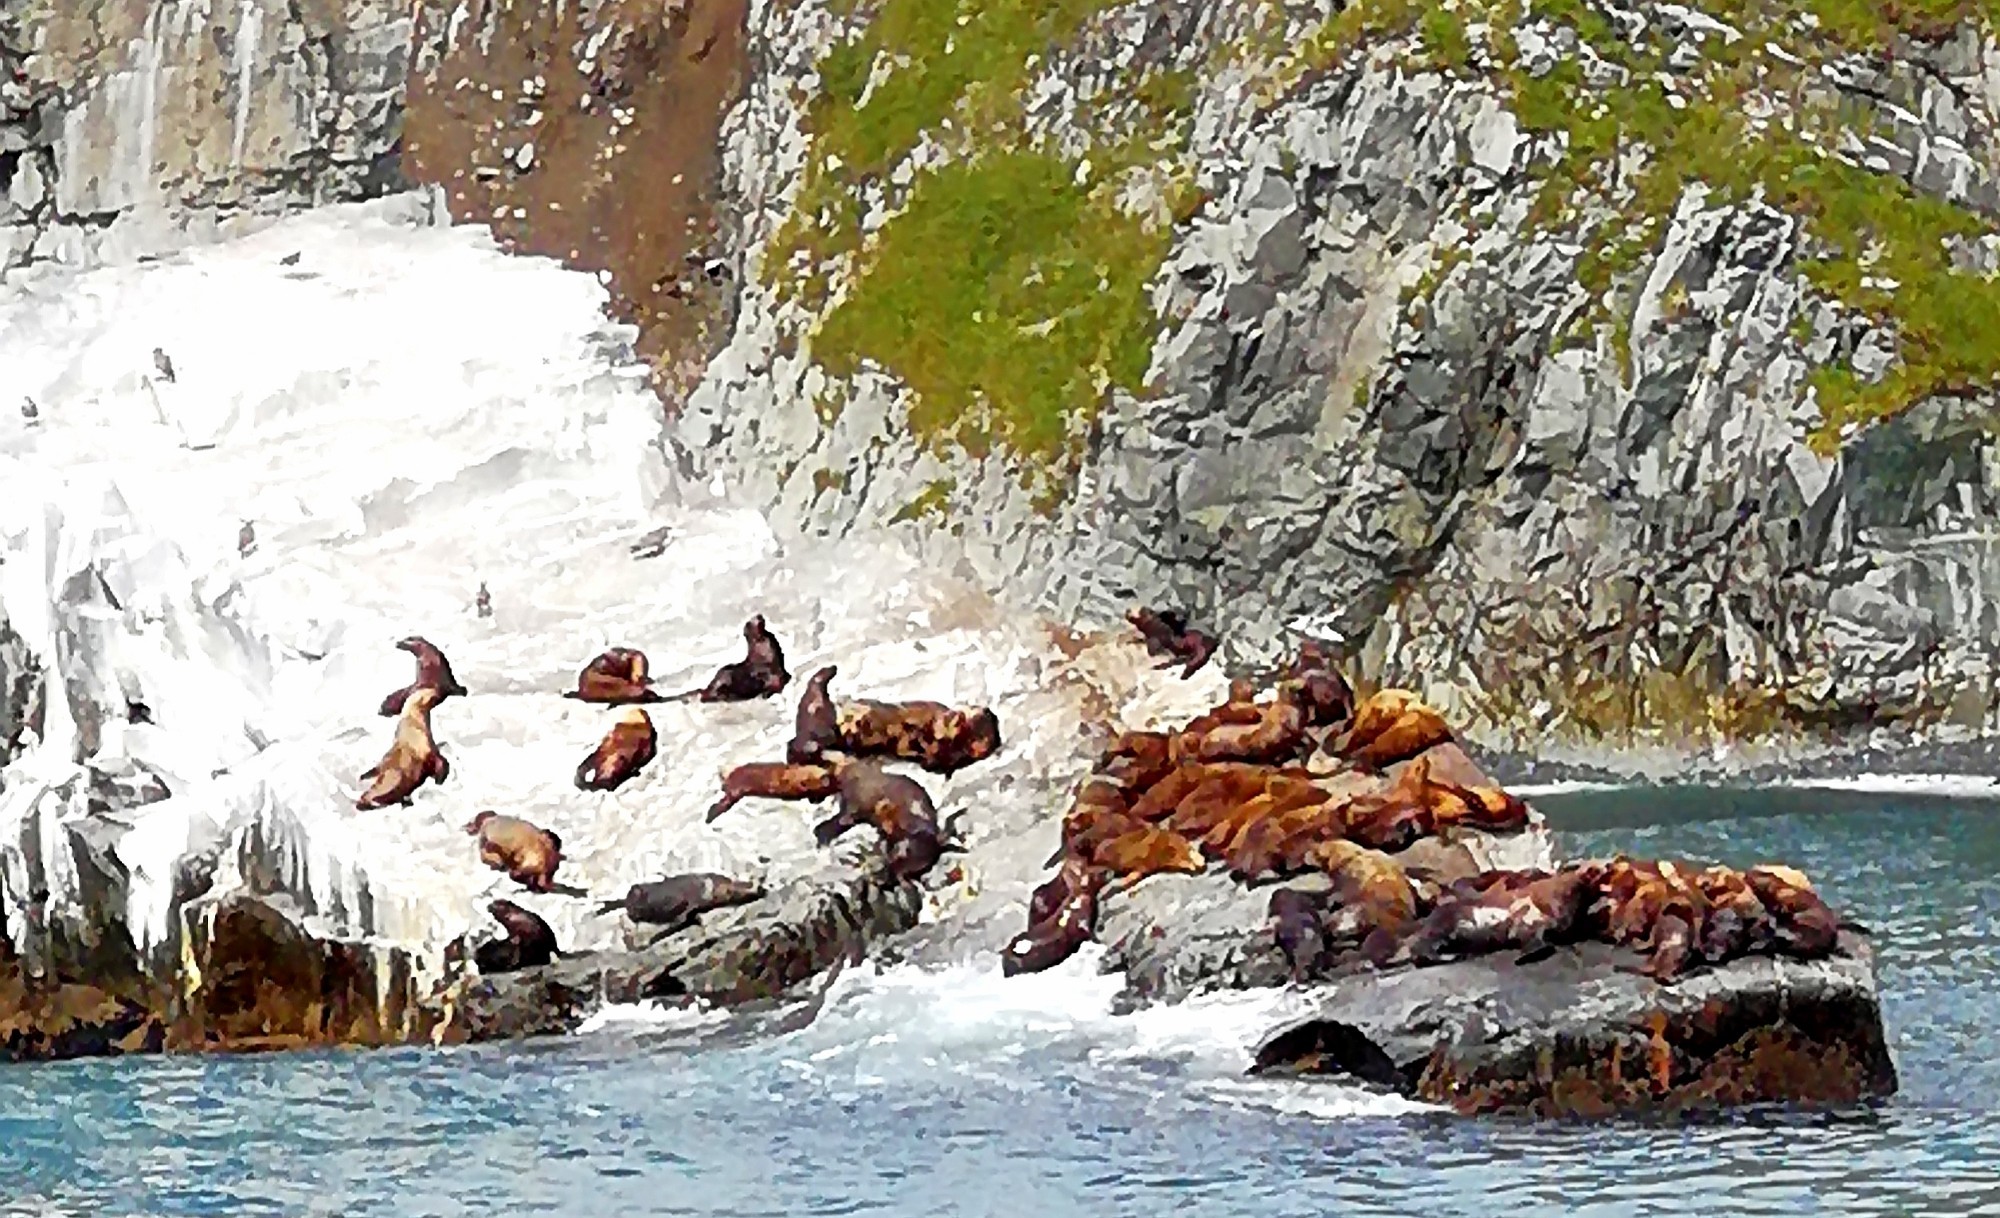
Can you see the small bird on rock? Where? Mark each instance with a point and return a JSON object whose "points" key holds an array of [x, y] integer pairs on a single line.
{"points": [[484, 604], [291, 259], [246, 539], [29, 410], [165, 365]]}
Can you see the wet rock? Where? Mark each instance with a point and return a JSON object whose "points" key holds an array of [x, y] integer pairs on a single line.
{"points": [[1574, 1035], [732, 956]]}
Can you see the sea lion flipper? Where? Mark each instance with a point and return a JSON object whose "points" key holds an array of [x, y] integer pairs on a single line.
{"points": [[438, 768]]}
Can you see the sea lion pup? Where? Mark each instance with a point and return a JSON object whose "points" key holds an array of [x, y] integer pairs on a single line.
{"points": [[412, 757], [1534, 916], [615, 677], [1167, 634], [774, 780], [623, 752], [1389, 725], [899, 808], [1297, 926], [1068, 920], [528, 853], [433, 672], [1373, 902], [678, 900], [942, 739], [529, 942], [817, 727], [1148, 850], [1803, 925], [759, 674]]}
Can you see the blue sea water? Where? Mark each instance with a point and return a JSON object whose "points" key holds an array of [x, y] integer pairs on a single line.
{"points": [[953, 1092]]}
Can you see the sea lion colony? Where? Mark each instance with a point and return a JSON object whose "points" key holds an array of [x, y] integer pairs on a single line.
{"points": [[1312, 781], [836, 752]]}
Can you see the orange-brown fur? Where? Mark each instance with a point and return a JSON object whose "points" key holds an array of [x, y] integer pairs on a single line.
{"points": [[940, 738], [774, 780], [616, 677], [1388, 726], [1373, 898], [433, 672], [412, 757], [623, 752], [1148, 850], [527, 853]]}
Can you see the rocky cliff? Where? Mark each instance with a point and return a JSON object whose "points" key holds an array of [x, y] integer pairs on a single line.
{"points": [[1613, 373]]}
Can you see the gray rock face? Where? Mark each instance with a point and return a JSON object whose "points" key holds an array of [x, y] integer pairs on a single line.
{"points": [[129, 128], [1556, 539]]}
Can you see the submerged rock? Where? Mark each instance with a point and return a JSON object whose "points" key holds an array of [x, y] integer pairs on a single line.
{"points": [[1575, 1035]]}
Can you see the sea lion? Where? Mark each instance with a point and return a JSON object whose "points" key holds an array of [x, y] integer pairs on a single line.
{"points": [[899, 808], [942, 739], [1328, 698], [1373, 902], [412, 757], [623, 752], [1653, 907], [1388, 726], [1803, 924], [1137, 760], [1098, 814], [774, 780], [1075, 873], [759, 674], [678, 900], [1531, 914], [1736, 922], [1167, 633], [616, 676], [528, 853], [529, 942], [433, 672], [1278, 735], [817, 727], [1299, 930], [1148, 850], [1054, 938]]}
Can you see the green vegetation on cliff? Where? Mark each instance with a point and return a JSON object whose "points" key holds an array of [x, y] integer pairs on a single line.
{"points": [[1875, 244], [1007, 286]]}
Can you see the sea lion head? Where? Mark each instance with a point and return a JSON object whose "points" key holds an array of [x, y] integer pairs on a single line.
{"points": [[822, 675], [478, 822], [636, 716], [416, 644], [510, 915], [754, 628], [1785, 875]]}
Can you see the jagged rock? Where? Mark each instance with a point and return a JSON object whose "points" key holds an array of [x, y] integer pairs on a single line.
{"points": [[731, 956], [21, 692], [41, 1021], [1572, 1035]]}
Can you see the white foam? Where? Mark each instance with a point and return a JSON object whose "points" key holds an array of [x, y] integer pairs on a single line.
{"points": [[1941, 786]]}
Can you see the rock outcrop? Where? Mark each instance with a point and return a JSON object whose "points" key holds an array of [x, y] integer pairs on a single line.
{"points": [[1572, 1035]]}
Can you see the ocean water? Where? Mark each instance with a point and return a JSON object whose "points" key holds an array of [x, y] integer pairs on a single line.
{"points": [[953, 1091]]}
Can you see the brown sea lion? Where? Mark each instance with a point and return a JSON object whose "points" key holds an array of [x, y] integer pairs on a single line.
{"points": [[412, 757], [623, 752], [899, 808], [759, 674], [529, 942], [1298, 927], [615, 677], [1097, 815], [774, 780], [1389, 725], [1148, 850], [1652, 906], [433, 672], [1055, 937], [1276, 737], [528, 853], [1803, 924], [1137, 760], [1532, 916], [817, 727], [1167, 633], [1239, 706], [942, 739], [1373, 902], [678, 900], [1327, 696], [1737, 924], [1074, 874]]}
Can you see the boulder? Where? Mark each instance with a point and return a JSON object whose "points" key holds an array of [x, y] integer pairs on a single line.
{"points": [[1575, 1034]]}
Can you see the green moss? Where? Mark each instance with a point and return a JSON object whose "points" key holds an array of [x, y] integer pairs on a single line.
{"points": [[1443, 32], [1007, 298], [1007, 291]]}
